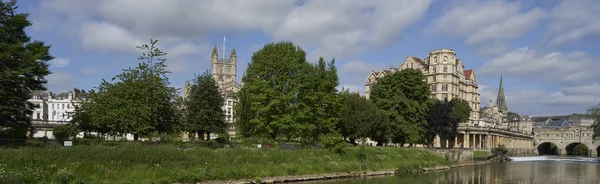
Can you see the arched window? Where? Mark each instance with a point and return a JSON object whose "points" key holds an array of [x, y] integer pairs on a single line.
{"points": [[445, 59], [434, 60]]}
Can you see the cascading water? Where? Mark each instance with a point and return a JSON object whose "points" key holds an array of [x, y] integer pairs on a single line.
{"points": [[553, 158]]}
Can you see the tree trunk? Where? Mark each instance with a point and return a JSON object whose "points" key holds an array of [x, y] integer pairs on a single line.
{"points": [[135, 137], [208, 135]]}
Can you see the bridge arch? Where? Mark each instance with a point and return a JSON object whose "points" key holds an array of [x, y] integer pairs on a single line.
{"points": [[598, 151], [548, 148], [577, 149]]}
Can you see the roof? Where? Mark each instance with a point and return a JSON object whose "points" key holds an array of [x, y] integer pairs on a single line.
{"points": [[468, 73]]}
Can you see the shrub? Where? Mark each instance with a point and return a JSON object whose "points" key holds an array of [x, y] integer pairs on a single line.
{"points": [[34, 143], [63, 132]]}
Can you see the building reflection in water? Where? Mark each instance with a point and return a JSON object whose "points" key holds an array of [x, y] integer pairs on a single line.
{"points": [[547, 172]]}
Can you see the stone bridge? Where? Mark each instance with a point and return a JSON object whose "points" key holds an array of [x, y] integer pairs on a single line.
{"points": [[565, 139], [471, 137]]}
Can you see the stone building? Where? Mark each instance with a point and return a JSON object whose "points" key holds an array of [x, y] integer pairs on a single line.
{"points": [[53, 110], [446, 75]]}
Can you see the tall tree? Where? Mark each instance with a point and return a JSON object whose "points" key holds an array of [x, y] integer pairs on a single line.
{"points": [[442, 122], [284, 96], [272, 88], [23, 68], [404, 95], [461, 110], [594, 111], [362, 119], [138, 101], [203, 108]]}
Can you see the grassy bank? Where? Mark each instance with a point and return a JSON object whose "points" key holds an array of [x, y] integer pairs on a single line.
{"points": [[164, 164], [481, 155]]}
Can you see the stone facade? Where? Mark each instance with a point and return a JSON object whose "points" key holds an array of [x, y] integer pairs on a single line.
{"points": [[446, 75], [565, 132], [53, 109]]}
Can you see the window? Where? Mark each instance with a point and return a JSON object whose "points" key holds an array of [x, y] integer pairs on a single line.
{"points": [[445, 87], [434, 60], [445, 68], [53, 106], [63, 106], [411, 65], [434, 69], [434, 79], [433, 88], [445, 59], [68, 106]]}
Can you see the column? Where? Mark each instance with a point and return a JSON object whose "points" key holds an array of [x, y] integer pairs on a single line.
{"points": [[466, 140]]}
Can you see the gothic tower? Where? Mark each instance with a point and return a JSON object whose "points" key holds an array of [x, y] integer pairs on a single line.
{"points": [[501, 100], [224, 70]]}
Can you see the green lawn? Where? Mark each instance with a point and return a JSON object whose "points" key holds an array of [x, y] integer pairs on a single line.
{"points": [[481, 155], [166, 164]]}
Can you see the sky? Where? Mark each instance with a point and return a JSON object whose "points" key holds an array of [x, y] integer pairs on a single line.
{"points": [[546, 51]]}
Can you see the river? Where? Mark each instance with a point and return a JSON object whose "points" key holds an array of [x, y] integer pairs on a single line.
{"points": [[548, 170]]}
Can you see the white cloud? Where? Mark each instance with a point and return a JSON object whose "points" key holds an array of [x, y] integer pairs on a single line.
{"points": [[88, 71], [107, 37], [59, 62], [360, 67], [60, 82], [573, 20], [487, 21], [566, 68], [335, 28]]}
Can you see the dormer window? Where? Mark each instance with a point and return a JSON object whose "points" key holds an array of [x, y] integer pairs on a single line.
{"points": [[435, 60]]}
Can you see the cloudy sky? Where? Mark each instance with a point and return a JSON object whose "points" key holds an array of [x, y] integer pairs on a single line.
{"points": [[547, 50]]}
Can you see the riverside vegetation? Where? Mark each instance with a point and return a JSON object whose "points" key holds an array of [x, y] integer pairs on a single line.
{"points": [[167, 163]]}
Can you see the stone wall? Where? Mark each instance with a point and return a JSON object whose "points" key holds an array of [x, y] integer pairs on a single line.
{"points": [[521, 152], [455, 155]]}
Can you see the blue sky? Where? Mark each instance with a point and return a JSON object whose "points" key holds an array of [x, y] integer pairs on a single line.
{"points": [[546, 50]]}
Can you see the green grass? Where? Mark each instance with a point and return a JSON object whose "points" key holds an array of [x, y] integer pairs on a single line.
{"points": [[481, 155], [166, 164]]}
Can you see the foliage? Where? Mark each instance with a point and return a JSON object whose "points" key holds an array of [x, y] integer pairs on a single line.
{"points": [[138, 101], [203, 108], [461, 110], [500, 150], [362, 119], [404, 95], [64, 132], [580, 150], [284, 96], [594, 111], [23, 68], [510, 113], [169, 164]]}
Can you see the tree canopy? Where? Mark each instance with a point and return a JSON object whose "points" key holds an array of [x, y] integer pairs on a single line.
{"points": [[594, 111], [138, 101], [284, 96], [203, 107], [23, 68], [362, 119], [404, 95]]}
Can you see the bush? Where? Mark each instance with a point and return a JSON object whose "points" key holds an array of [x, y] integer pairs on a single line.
{"points": [[64, 132], [34, 143], [500, 150]]}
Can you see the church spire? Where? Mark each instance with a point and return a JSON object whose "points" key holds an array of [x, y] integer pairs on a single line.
{"points": [[501, 100]]}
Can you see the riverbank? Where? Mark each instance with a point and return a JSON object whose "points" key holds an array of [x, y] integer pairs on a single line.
{"points": [[339, 176], [169, 164]]}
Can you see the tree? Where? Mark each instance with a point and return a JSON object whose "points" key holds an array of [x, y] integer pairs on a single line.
{"points": [[284, 96], [461, 110], [64, 132], [594, 111], [442, 121], [510, 113], [404, 95], [203, 108], [362, 119], [138, 101], [23, 68]]}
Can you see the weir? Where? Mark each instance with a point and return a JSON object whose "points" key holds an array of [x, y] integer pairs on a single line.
{"points": [[554, 158]]}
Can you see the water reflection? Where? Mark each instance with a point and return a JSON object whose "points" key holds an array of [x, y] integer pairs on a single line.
{"points": [[546, 172]]}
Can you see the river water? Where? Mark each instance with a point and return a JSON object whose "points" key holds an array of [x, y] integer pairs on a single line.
{"points": [[528, 170]]}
